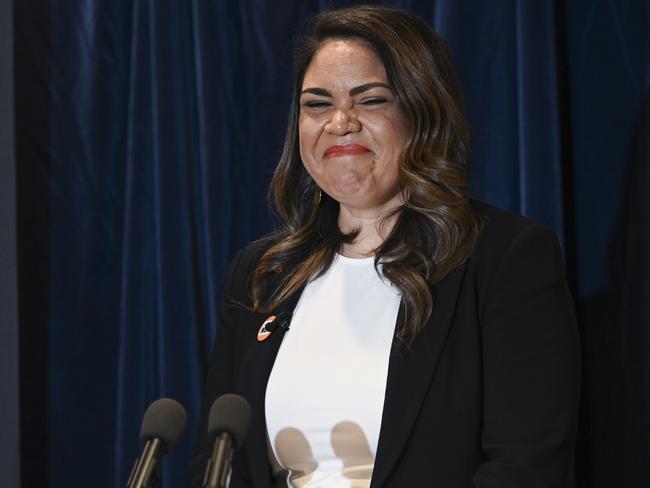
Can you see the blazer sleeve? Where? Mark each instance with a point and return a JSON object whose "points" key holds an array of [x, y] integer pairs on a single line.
{"points": [[531, 367], [220, 378]]}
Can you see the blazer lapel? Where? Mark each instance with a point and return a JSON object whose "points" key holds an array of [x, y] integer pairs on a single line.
{"points": [[410, 372], [256, 368]]}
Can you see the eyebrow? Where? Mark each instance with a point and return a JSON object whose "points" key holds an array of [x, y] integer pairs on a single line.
{"points": [[354, 91]]}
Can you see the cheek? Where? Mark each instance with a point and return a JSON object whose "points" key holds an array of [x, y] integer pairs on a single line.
{"points": [[308, 132], [307, 146], [390, 134], [396, 136]]}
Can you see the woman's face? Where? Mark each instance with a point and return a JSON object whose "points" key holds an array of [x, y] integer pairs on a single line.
{"points": [[352, 131]]}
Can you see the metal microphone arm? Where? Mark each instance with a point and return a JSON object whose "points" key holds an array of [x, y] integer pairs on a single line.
{"points": [[143, 474], [218, 468]]}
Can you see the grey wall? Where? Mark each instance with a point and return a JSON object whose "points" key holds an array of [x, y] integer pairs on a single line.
{"points": [[9, 408]]}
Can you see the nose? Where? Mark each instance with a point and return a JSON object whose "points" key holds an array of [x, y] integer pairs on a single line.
{"points": [[343, 122]]}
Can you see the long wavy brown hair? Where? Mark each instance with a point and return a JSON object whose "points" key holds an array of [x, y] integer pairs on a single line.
{"points": [[435, 228]]}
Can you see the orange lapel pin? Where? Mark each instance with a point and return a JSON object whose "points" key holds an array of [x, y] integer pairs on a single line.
{"points": [[264, 333]]}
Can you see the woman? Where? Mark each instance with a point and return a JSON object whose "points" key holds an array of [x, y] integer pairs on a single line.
{"points": [[425, 339]]}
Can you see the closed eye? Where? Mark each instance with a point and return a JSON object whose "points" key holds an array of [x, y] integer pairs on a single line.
{"points": [[374, 101], [316, 104]]}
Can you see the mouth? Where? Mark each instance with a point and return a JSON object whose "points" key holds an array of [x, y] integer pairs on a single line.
{"points": [[345, 150]]}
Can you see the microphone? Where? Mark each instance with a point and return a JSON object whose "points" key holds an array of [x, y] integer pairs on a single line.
{"points": [[163, 425], [227, 428]]}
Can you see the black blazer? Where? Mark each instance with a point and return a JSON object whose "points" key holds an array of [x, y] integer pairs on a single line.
{"points": [[486, 396]]}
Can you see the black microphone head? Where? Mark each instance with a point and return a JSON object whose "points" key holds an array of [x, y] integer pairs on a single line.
{"points": [[229, 413], [166, 420]]}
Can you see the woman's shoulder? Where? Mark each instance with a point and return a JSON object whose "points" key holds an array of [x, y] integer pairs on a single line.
{"points": [[240, 271], [508, 237], [499, 227], [499, 223], [248, 256]]}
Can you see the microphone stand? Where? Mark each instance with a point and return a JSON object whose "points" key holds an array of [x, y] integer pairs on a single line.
{"points": [[144, 473], [218, 468]]}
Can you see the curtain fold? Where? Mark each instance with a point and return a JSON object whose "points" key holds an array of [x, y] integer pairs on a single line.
{"points": [[506, 54], [168, 299], [538, 106]]}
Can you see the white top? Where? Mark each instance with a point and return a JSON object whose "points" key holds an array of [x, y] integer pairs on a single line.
{"points": [[325, 395]]}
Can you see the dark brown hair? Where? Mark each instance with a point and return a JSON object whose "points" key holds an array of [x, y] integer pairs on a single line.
{"points": [[435, 230]]}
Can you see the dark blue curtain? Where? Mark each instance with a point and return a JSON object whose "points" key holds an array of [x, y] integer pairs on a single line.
{"points": [[9, 375], [608, 57], [147, 134]]}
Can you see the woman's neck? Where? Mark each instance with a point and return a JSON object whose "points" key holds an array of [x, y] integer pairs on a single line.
{"points": [[373, 230]]}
